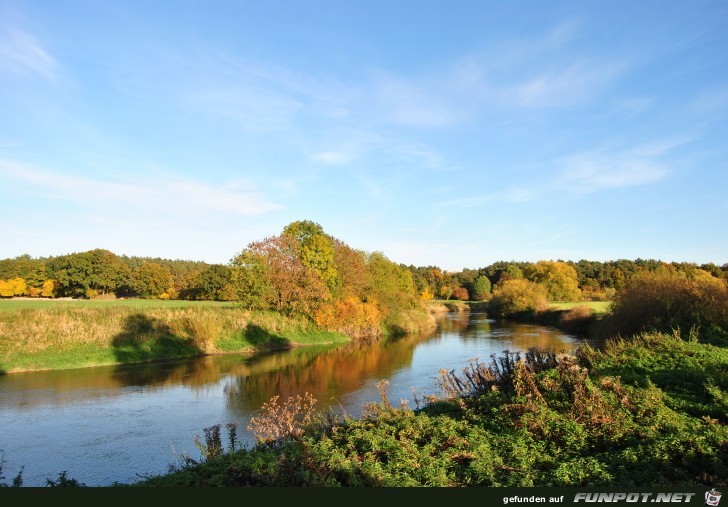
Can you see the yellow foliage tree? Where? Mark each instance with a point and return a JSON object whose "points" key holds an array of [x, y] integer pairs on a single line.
{"points": [[19, 286], [6, 289], [518, 296], [49, 289], [426, 295], [558, 278]]}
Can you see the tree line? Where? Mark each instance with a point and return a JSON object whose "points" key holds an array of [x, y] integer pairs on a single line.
{"points": [[562, 280], [304, 270]]}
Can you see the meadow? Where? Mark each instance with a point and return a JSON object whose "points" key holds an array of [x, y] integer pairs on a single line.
{"points": [[9, 305], [598, 307]]}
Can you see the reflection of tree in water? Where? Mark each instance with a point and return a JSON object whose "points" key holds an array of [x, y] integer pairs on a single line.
{"points": [[326, 375], [513, 335], [454, 322], [524, 336]]}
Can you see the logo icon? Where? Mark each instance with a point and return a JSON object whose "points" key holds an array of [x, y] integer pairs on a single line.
{"points": [[712, 497]]}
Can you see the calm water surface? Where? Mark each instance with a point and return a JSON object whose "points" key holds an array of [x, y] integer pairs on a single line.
{"points": [[119, 423]]}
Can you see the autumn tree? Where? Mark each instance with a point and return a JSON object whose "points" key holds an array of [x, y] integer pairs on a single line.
{"points": [[518, 296], [48, 289], [499, 272], [461, 294], [315, 250], [269, 274], [392, 285], [352, 269], [33, 271], [6, 289], [558, 278]]}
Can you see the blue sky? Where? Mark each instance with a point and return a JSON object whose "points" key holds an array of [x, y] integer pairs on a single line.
{"points": [[447, 133]]}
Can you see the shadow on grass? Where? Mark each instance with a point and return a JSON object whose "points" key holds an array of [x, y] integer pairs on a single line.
{"points": [[264, 340], [145, 338]]}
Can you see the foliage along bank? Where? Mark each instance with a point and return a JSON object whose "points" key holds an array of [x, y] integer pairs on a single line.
{"points": [[647, 408], [302, 286]]}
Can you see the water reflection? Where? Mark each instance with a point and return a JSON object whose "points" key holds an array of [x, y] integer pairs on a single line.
{"points": [[111, 423], [327, 375]]}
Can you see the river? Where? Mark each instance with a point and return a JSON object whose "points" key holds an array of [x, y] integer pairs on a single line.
{"points": [[120, 423]]}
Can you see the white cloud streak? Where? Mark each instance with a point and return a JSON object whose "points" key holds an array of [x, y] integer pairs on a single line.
{"points": [[587, 172], [562, 86], [23, 54], [600, 170], [147, 195]]}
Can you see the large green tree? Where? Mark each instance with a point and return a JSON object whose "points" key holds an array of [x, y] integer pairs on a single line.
{"points": [[215, 283], [151, 280], [481, 288], [99, 270]]}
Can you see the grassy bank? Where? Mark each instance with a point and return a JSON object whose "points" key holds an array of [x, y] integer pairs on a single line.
{"points": [[650, 411], [598, 307], [71, 334], [438, 306]]}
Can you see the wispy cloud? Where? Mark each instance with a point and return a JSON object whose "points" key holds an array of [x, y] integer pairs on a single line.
{"points": [[601, 169], [413, 102], [712, 101], [23, 54], [586, 172], [562, 86], [148, 195], [419, 154], [334, 157], [633, 106], [516, 194], [251, 107]]}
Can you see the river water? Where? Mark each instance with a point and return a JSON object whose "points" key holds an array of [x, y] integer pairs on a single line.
{"points": [[120, 423]]}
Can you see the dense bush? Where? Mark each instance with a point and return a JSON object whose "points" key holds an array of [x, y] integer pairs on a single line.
{"points": [[666, 300], [517, 297]]}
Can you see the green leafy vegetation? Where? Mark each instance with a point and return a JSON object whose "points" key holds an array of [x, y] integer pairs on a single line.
{"points": [[544, 420], [647, 408]]}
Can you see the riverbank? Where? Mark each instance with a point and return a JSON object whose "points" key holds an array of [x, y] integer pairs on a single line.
{"points": [[648, 411], [79, 336], [578, 318], [43, 335]]}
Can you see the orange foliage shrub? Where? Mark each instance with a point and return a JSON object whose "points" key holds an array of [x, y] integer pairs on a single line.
{"points": [[349, 315]]}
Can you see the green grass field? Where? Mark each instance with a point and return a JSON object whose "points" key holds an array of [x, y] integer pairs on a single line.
{"points": [[9, 305], [597, 306]]}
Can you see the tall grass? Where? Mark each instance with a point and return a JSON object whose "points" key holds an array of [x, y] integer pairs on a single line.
{"points": [[81, 336]]}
